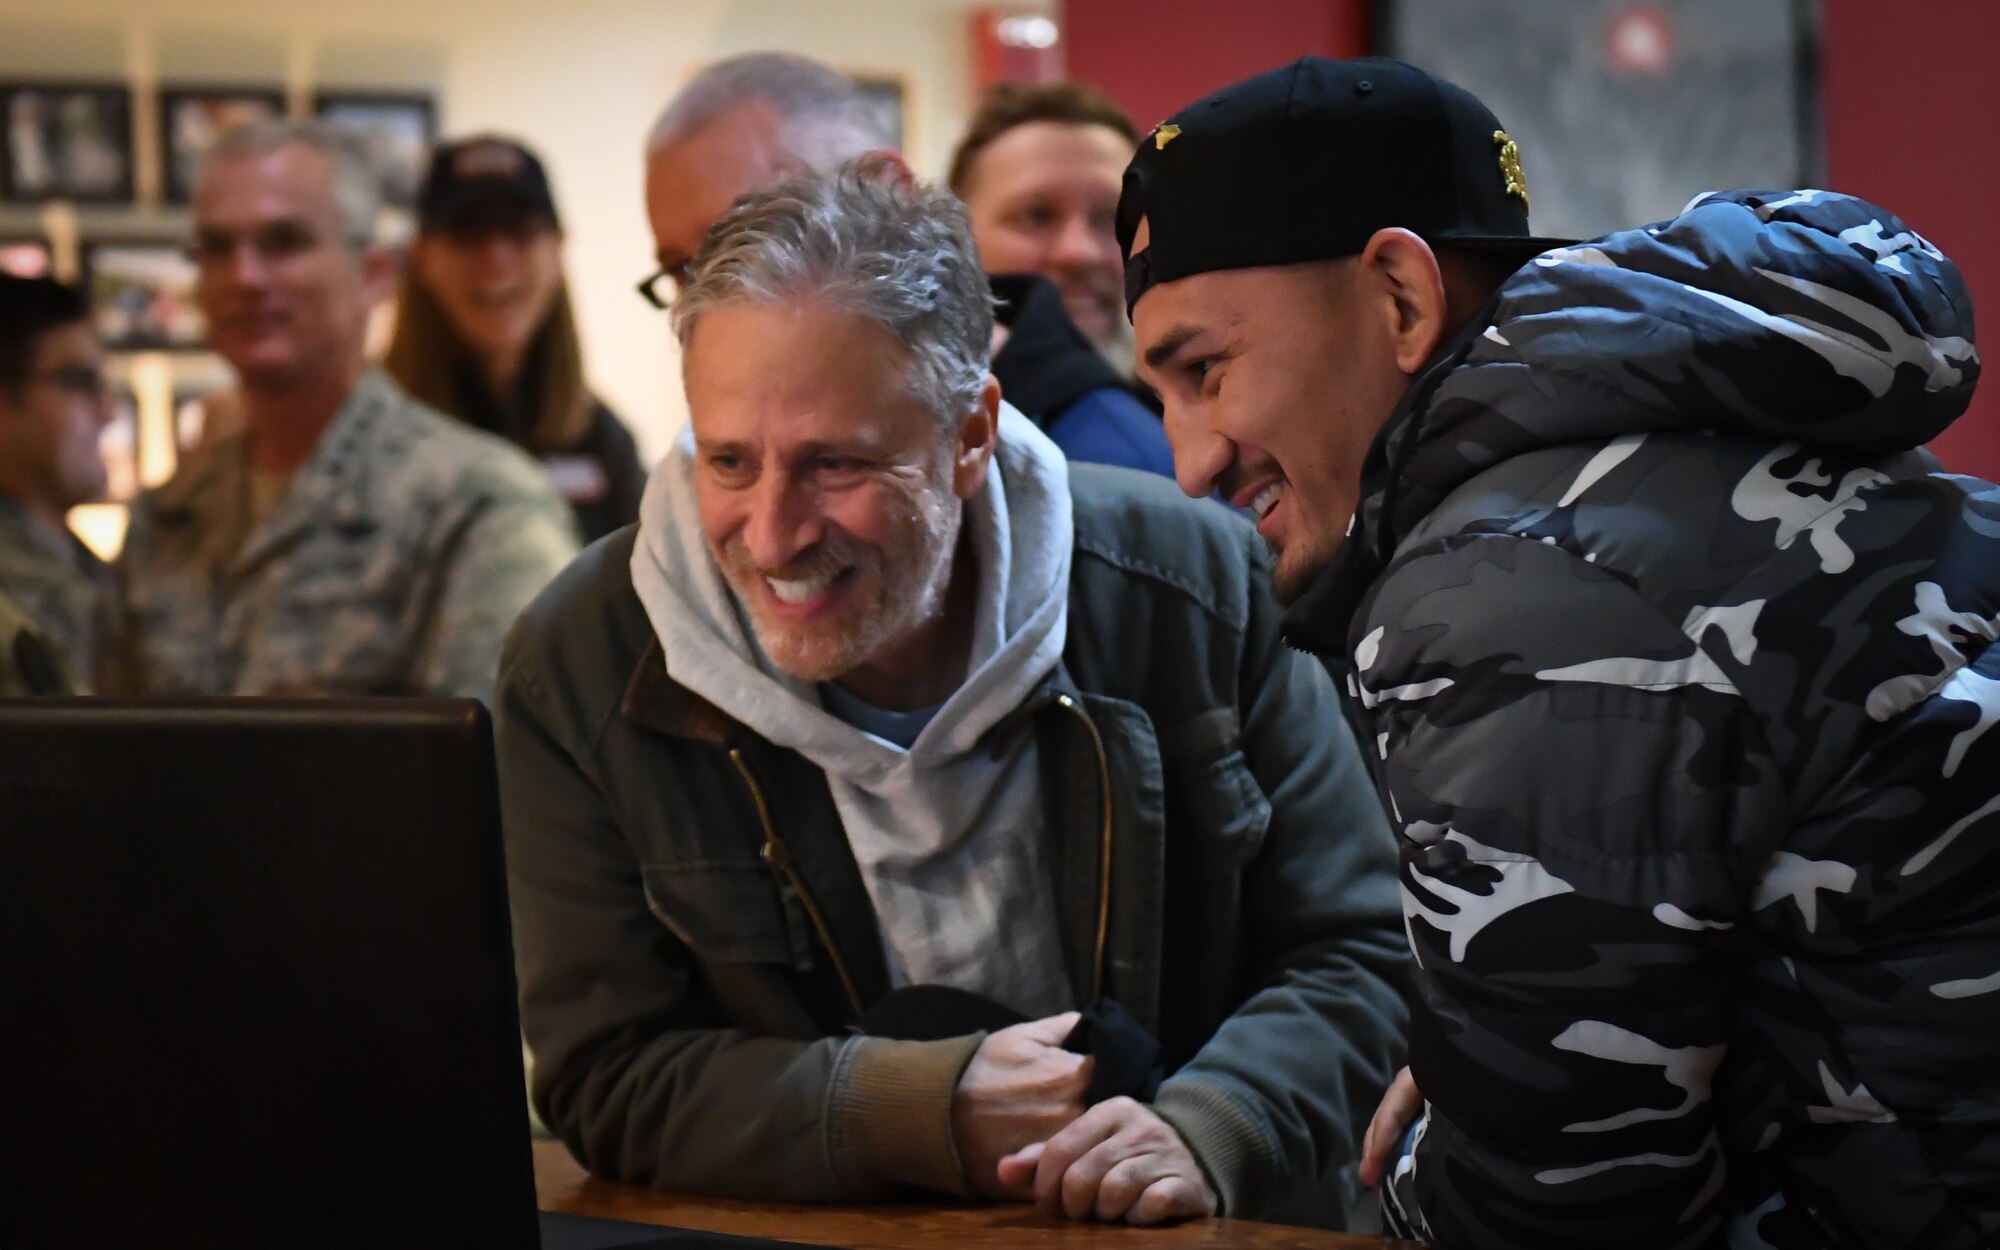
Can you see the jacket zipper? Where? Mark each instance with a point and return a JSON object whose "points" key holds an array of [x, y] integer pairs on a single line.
{"points": [[1104, 842], [779, 857]]}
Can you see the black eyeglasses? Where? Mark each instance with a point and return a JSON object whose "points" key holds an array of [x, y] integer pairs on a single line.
{"points": [[662, 287]]}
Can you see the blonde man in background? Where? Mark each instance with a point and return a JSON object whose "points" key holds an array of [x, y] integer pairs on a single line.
{"points": [[1039, 170]]}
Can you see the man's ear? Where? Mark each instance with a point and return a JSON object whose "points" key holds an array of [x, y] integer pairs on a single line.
{"points": [[978, 438], [1407, 273]]}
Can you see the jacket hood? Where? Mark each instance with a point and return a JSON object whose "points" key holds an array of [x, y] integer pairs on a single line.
{"points": [[1795, 315]]}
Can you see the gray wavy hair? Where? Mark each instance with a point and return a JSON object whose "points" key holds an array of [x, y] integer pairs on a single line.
{"points": [[859, 238], [357, 185]]}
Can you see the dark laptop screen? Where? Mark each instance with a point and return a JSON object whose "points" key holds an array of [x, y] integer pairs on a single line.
{"points": [[257, 978]]}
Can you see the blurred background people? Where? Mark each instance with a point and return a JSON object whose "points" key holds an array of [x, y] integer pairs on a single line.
{"points": [[737, 124], [485, 331], [1039, 169], [348, 539], [1734, 95], [749, 119], [55, 622]]}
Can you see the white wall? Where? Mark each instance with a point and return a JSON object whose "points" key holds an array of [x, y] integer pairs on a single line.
{"points": [[579, 80]]}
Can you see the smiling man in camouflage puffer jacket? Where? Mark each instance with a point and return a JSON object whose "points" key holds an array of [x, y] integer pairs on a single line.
{"points": [[1676, 657]]}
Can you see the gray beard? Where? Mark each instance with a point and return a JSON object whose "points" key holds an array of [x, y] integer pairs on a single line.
{"points": [[1119, 349]]}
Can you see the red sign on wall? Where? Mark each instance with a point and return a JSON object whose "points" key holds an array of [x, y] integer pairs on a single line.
{"points": [[1015, 45]]}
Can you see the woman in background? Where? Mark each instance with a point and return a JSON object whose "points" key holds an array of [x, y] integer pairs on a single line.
{"points": [[484, 329]]}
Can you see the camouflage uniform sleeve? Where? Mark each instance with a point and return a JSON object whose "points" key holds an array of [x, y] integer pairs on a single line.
{"points": [[514, 545], [1273, 1105], [28, 664], [1578, 788]]}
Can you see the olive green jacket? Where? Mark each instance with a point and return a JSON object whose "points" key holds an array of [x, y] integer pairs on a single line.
{"points": [[695, 942]]}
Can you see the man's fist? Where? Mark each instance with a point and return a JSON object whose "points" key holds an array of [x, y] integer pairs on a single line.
{"points": [[1020, 1088], [1118, 1161]]}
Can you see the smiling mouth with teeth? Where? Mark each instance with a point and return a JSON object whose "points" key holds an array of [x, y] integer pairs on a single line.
{"points": [[1266, 499], [804, 590]]}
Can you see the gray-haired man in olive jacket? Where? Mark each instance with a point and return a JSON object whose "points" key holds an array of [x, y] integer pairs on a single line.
{"points": [[881, 693]]}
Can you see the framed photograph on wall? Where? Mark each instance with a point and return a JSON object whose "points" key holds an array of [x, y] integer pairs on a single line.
{"points": [[1624, 112], [26, 256], [885, 94], [193, 117], [66, 141], [142, 295], [396, 129]]}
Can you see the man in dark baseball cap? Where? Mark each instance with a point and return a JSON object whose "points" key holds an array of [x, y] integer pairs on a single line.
{"points": [[1266, 225], [1675, 654]]}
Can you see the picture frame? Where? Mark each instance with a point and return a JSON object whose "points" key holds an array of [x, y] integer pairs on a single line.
{"points": [[26, 256], [1623, 112], [66, 140], [396, 129], [142, 295], [194, 115], [888, 96]]}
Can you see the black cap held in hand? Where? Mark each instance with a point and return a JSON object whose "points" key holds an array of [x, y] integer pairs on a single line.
{"points": [[486, 174], [1306, 162]]}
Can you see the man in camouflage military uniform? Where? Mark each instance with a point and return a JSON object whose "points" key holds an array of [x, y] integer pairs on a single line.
{"points": [[1674, 650], [348, 540], [53, 405]]}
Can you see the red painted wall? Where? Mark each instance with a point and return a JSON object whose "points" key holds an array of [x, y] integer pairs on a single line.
{"points": [[1153, 56], [1911, 96]]}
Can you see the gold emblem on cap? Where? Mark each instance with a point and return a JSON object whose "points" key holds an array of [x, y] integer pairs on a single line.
{"points": [[1510, 166], [1165, 133]]}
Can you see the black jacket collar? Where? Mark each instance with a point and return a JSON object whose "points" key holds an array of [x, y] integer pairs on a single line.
{"points": [[1046, 363]]}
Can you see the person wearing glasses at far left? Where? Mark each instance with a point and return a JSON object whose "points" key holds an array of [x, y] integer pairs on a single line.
{"points": [[56, 598]]}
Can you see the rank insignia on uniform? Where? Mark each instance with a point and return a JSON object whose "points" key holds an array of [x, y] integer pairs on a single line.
{"points": [[1165, 133], [1510, 165]]}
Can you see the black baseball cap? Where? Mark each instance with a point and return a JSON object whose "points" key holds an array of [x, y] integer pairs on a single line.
{"points": [[483, 172], [1307, 162]]}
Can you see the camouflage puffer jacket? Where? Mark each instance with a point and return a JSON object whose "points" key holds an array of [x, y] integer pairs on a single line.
{"points": [[1676, 666]]}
